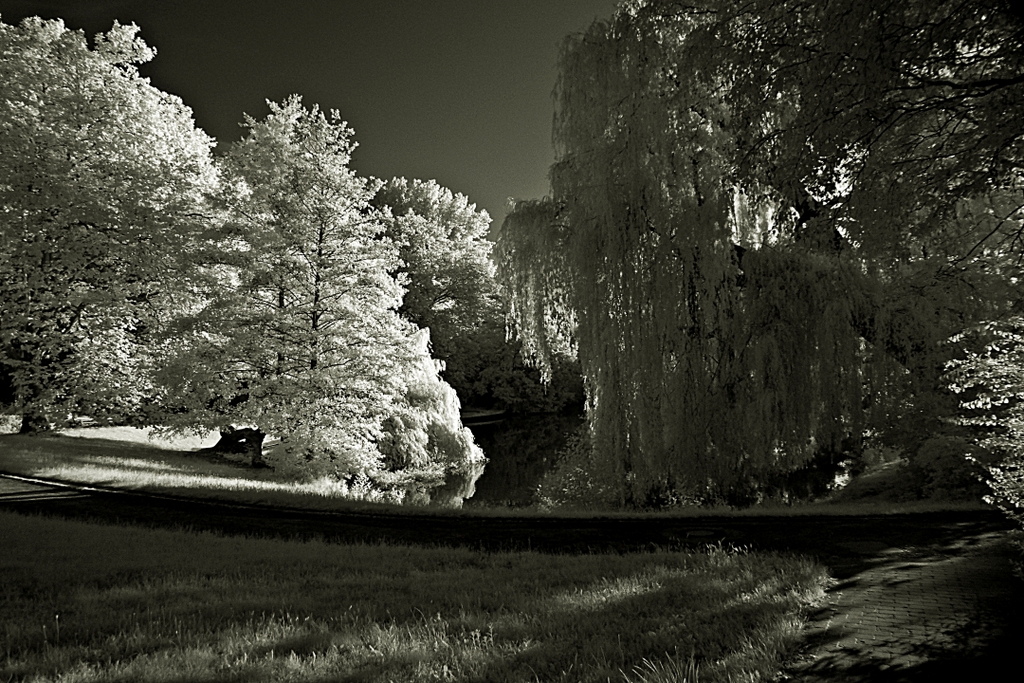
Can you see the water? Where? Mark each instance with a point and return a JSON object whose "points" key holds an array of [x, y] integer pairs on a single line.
{"points": [[521, 449]]}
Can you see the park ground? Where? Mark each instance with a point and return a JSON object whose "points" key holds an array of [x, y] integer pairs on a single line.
{"points": [[98, 587]]}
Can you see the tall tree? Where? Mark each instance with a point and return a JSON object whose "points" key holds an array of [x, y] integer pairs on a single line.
{"points": [[445, 258], [300, 334], [764, 215], [102, 178]]}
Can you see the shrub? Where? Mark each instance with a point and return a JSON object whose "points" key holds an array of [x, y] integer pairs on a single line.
{"points": [[949, 468], [575, 480], [990, 379], [426, 452]]}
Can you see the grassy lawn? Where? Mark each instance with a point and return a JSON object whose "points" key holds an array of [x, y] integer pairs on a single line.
{"points": [[129, 458], [88, 602]]}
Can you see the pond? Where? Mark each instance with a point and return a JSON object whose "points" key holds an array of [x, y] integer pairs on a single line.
{"points": [[520, 449]]}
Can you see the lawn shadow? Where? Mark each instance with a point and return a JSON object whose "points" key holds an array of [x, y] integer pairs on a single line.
{"points": [[581, 643], [587, 619]]}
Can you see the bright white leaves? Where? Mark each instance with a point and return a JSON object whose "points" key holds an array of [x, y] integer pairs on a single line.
{"points": [[268, 298], [990, 381], [443, 245], [101, 177], [301, 336]]}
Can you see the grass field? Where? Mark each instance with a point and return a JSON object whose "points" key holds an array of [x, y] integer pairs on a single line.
{"points": [[86, 602], [130, 458]]}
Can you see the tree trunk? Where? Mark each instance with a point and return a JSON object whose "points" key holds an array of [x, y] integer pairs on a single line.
{"points": [[33, 422], [246, 440]]}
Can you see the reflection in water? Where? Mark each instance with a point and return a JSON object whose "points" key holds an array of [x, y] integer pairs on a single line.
{"points": [[520, 449]]}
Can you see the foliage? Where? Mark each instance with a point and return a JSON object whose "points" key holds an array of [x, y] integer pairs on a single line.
{"points": [[298, 330], [948, 468], [274, 305], [102, 180], [537, 275], [990, 380], [445, 254], [443, 246], [521, 451], [489, 371], [764, 220], [299, 334], [428, 455], [576, 480]]}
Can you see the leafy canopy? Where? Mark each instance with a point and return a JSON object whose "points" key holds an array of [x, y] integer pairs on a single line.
{"points": [[445, 260], [765, 217], [102, 178], [300, 334]]}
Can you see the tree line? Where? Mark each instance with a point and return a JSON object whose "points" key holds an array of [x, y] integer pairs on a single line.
{"points": [[780, 232], [271, 289]]}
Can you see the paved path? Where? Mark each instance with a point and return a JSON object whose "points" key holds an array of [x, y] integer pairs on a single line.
{"points": [[14, 491], [940, 612]]}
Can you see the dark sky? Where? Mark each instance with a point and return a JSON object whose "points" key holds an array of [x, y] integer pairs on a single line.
{"points": [[454, 90]]}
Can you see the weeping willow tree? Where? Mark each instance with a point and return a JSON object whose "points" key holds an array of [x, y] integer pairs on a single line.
{"points": [[537, 275], [730, 235]]}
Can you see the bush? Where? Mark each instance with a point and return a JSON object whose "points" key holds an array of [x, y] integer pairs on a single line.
{"points": [[427, 455], [949, 468], [576, 481], [317, 455]]}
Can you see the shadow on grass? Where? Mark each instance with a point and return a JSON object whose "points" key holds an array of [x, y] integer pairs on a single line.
{"points": [[403, 630], [562, 644], [170, 606]]}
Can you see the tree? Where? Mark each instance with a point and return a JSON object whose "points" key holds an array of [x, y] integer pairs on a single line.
{"points": [[444, 251], [300, 335], [102, 179], [532, 263], [445, 255], [765, 217], [989, 377]]}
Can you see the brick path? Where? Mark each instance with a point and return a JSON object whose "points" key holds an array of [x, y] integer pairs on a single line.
{"points": [[919, 613]]}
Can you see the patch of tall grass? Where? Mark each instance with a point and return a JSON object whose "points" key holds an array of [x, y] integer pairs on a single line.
{"points": [[86, 602]]}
